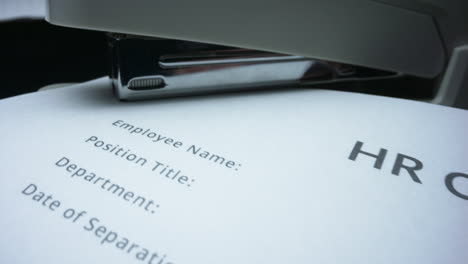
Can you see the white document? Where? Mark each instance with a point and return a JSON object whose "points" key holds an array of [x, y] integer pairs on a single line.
{"points": [[297, 176]]}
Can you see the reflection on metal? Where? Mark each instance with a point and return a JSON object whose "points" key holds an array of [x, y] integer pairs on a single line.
{"points": [[145, 68]]}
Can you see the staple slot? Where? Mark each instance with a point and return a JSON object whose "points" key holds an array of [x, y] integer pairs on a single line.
{"points": [[207, 58]]}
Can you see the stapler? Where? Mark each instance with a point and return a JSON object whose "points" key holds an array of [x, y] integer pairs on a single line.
{"points": [[411, 49]]}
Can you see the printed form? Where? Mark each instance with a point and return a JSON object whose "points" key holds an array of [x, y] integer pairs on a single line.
{"points": [[297, 176]]}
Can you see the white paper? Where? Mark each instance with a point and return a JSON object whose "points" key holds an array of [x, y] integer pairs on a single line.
{"points": [[290, 194]]}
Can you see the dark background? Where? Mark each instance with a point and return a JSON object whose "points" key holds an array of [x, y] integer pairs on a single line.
{"points": [[34, 53]]}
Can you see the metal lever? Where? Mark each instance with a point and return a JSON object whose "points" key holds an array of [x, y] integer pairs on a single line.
{"points": [[144, 68]]}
